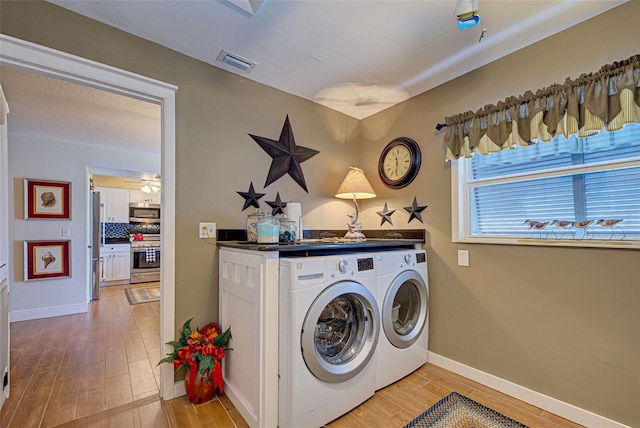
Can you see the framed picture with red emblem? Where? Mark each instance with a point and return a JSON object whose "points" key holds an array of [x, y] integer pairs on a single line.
{"points": [[47, 200], [46, 260]]}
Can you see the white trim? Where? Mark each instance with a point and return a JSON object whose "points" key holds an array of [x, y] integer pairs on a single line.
{"points": [[545, 402], [50, 62], [461, 185], [179, 389], [39, 59], [52, 311]]}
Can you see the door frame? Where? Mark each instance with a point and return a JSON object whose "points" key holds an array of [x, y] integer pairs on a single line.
{"points": [[53, 63]]}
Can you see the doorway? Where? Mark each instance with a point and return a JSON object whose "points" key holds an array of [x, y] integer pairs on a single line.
{"points": [[41, 60]]}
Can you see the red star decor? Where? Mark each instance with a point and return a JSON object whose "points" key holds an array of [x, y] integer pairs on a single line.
{"points": [[287, 157]]}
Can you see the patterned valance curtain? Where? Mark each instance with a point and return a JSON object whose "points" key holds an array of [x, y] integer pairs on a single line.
{"points": [[604, 100]]}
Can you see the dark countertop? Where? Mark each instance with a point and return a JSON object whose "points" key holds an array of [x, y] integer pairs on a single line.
{"points": [[109, 241], [322, 246]]}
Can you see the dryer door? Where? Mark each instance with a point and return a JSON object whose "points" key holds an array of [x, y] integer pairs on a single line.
{"points": [[405, 309], [340, 332]]}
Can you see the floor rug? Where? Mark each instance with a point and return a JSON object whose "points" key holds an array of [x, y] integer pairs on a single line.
{"points": [[139, 295], [457, 411]]}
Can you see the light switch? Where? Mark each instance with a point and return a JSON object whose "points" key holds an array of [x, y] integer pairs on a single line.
{"points": [[207, 230], [463, 257]]}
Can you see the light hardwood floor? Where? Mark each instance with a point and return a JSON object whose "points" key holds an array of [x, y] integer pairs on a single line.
{"points": [[99, 370]]}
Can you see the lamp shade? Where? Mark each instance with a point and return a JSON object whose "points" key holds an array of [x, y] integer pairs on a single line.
{"points": [[355, 186]]}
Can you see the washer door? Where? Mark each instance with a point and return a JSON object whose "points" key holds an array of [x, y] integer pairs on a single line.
{"points": [[405, 309], [340, 332]]}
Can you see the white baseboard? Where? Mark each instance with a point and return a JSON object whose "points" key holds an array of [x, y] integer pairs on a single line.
{"points": [[52, 311], [178, 389], [550, 404]]}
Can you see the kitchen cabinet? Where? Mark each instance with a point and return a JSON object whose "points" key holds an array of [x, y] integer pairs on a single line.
{"points": [[115, 205], [115, 262], [144, 198]]}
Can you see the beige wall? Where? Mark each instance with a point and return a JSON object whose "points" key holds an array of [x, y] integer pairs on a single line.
{"points": [[561, 321]]}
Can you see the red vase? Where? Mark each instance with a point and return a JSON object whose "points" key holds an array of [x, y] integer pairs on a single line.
{"points": [[202, 386]]}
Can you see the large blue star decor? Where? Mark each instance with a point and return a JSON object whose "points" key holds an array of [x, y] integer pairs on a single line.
{"points": [[286, 156], [414, 210]]}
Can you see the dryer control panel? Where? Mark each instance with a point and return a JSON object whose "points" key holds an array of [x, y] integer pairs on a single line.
{"points": [[365, 264]]}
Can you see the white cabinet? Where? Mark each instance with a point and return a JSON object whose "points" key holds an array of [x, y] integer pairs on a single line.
{"points": [[144, 198], [249, 303], [114, 205], [115, 262]]}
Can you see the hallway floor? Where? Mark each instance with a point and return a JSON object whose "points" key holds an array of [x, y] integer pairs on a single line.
{"points": [[99, 370]]}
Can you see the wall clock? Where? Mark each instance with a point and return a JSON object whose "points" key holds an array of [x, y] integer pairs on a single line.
{"points": [[399, 162]]}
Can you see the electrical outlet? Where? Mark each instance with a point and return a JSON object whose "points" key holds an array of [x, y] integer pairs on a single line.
{"points": [[463, 257], [66, 232], [207, 230]]}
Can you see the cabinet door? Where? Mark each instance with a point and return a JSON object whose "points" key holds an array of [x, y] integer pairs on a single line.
{"points": [[114, 204], [119, 205], [107, 267], [144, 198], [137, 196], [121, 266], [103, 267], [155, 198]]}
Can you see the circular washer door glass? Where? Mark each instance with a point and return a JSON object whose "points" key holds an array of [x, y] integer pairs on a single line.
{"points": [[406, 308], [340, 331]]}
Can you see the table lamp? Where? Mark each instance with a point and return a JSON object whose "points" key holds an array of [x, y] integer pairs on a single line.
{"points": [[355, 185]]}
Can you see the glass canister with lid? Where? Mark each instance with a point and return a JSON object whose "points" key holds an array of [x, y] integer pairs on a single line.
{"points": [[287, 229], [268, 229], [252, 225]]}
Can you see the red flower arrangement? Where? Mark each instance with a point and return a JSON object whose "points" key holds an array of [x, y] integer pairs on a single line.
{"points": [[201, 350]]}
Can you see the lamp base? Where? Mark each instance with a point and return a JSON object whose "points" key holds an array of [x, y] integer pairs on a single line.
{"points": [[355, 236]]}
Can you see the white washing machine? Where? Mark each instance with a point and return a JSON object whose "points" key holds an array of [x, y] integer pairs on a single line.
{"points": [[328, 332], [403, 299]]}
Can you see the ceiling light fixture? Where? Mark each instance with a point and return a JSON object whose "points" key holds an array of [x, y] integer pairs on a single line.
{"points": [[236, 61], [150, 187]]}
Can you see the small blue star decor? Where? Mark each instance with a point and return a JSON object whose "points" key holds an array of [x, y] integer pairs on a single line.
{"points": [[414, 210]]}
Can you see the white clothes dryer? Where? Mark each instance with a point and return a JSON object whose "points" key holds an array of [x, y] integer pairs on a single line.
{"points": [[403, 299], [328, 332]]}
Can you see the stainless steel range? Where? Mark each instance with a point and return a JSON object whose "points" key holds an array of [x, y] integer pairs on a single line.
{"points": [[145, 257]]}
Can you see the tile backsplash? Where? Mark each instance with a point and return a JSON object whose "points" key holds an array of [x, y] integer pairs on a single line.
{"points": [[122, 230]]}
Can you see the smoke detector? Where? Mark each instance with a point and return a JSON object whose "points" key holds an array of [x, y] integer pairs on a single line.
{"points": [[236, 61]]}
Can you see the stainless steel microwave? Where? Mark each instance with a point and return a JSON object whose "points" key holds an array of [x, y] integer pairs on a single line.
{"points": [[144, 213]]}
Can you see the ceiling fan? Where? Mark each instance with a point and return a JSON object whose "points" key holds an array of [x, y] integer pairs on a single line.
{"points": [[148, 186]]}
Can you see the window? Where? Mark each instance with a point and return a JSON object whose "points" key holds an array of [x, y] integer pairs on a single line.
{"points": [[581, 191]]}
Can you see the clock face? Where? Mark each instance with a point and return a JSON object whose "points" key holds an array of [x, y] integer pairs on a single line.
{"points": [[399, 162]]}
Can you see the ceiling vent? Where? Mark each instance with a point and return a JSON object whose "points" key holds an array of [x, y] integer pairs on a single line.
{"points": [[236, 61]]}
